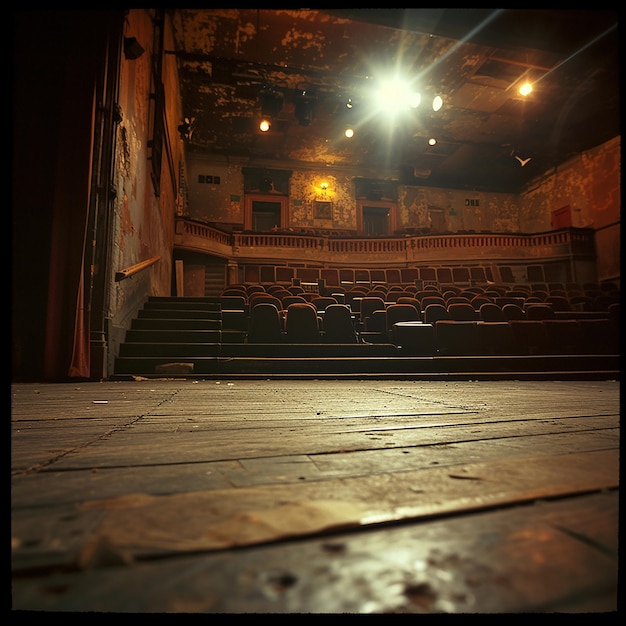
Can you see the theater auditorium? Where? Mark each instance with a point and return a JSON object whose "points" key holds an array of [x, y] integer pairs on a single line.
{"points": [[315, 311]]}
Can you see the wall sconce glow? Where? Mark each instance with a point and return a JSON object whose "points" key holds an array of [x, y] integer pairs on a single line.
{"points": [[525, 89], [265, 125], [349, 133], [432, 141], [324, 186], [437, 103]]}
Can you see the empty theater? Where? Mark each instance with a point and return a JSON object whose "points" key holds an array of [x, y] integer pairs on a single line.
{"points": [[315, 311]]}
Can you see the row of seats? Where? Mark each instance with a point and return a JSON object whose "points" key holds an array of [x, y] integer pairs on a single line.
{"points": [[515, 337], [301, 324], [374, 314], [267, 274], [536, 290], [471, 297], [420, 327], [346, 276]]}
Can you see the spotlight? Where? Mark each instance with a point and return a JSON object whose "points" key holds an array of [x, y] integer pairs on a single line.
{"points": [[525, 89], [437, 103], [349, 132], [432, 141], [265, 125], [414, 99], [305, 102]]}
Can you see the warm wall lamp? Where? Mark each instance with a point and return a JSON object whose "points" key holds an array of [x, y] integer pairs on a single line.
{"points": [[323, 188], [132, 48]]}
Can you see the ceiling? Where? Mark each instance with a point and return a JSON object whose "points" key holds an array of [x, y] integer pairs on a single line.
{"points": [[474, 58]]}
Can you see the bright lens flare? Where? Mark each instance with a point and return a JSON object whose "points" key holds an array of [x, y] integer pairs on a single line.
{"points": [[395, 95], [414, 100], [525, 89]]}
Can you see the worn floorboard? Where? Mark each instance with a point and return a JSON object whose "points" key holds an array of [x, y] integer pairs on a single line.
{"points": [[315, 496], [545, 558]]}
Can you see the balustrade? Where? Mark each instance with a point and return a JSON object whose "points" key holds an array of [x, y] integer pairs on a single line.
{"points": [[321, 248]]}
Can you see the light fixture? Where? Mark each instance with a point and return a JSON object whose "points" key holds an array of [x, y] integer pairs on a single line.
{"points": [[324, 187], [437, 103], [349, 132], [432, 141], [525, 89], [271, 105], [305, 101], [414, 99], [394, 95]]}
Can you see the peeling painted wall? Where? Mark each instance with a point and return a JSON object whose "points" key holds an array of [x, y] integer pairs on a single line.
{"points": [[143, 224], [306, 190], [590, 184], [212, 199], [223, 203]]}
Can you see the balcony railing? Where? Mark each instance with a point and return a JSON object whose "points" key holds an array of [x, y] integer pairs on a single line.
{"points": [[323, 249]]}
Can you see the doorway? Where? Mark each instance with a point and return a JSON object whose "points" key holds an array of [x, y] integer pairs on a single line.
{"points": [[265, 213], [437, 220], [377, 219], [562, 218]]}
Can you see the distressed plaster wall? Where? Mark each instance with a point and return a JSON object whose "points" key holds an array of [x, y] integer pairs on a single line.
{"points": [[143, 224], [460, 210], [590, 184], [215, 202], [306, 190]]}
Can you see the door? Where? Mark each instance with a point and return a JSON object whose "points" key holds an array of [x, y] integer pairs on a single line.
{"points": [[265, 215], [376, 219], [265, 212]]}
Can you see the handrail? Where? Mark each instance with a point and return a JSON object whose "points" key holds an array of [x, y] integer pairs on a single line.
{"points": [[133, 269]]}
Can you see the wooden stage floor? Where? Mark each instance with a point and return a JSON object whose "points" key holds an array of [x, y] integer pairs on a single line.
{"points": [[315, 496]]}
